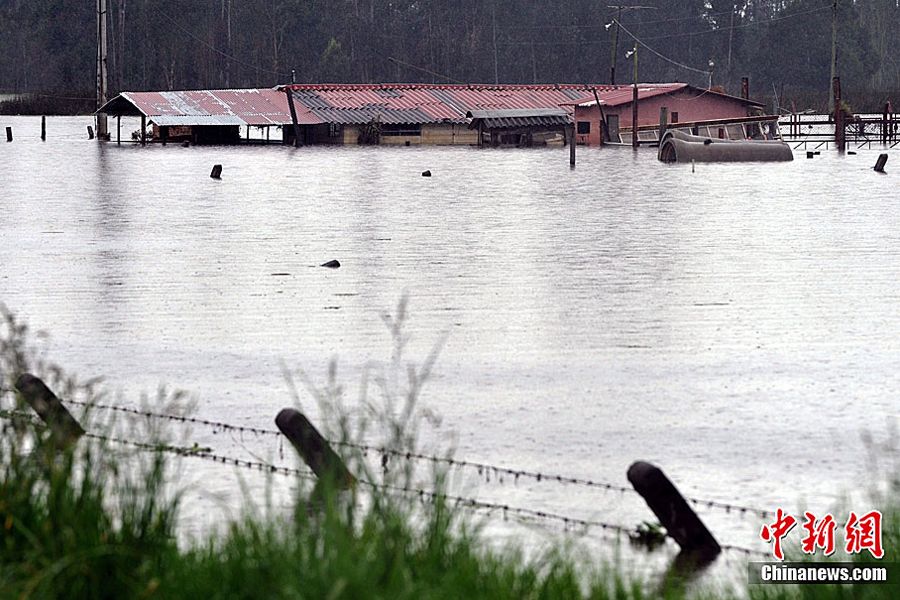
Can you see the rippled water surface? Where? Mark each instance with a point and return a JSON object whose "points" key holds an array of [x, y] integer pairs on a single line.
{"points": [[737, 325]]}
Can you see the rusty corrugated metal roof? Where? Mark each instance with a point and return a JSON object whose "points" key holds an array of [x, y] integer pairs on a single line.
{"points": [[426, 103], [354, 104], [625, 93], [210, 107], [519, 117]]}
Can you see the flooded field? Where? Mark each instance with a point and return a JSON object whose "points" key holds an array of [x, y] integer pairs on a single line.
{"points": [[737, 325]]}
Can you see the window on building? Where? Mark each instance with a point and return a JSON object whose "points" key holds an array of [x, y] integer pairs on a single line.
{"points": [[584, 127], [408, 129], [675, 117]]}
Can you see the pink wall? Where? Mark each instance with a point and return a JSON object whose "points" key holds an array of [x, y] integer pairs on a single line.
{"points": [[691, 105]]}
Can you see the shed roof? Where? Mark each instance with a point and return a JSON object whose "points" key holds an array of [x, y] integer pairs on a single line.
{"points": [[396, 103], [624, 94], [429, 103], [518, 117], [208, 107]]}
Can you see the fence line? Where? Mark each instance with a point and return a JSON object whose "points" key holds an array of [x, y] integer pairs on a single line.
{"points": [[480, 467], [474, 504]]}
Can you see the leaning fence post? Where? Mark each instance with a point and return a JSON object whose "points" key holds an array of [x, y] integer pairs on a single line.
{"points": [[48, 407], [313, 448], [672, 510]]}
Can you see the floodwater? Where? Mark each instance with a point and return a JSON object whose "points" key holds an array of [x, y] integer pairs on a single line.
{"points": [[736, 324]]}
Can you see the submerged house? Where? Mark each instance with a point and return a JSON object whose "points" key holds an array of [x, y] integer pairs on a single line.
{"points": [[608, 117], [404, 114], [410, 114], [440, 114]]}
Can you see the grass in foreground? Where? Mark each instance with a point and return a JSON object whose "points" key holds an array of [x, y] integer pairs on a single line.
{"points": [[91, 521]]}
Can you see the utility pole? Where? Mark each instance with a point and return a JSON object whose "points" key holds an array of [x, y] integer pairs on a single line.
{"points": [[730, 37], [102, 132], [494, 33], [834, 11], [634, 99], [615, 47]]}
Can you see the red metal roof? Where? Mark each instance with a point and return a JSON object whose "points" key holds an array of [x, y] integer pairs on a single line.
{"points": [[429, 103], [361, 103], [211, 107], [625, 93]]}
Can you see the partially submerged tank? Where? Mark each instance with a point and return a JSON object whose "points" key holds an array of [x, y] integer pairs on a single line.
{"points": [[678, 146]]}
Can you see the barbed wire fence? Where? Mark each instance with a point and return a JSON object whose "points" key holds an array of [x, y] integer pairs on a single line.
{"points": [[569, 523]]}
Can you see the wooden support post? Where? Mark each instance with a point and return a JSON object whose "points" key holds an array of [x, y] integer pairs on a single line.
{"points": [[119, 129], [572, 146], [663, 122], [290, 99], [634, 102], [314, 448], [43, 128], [839, 133], [9, 134], [62, 424], [143, 130], [745, 88], [884, 124], [672, 510], [601, 121], [90, 131], [634, 117], [164, 134]]}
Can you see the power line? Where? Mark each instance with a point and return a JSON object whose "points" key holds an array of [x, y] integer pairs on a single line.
{"points": [[423, 69], [744, 26], [665, 58], [215, 49]]}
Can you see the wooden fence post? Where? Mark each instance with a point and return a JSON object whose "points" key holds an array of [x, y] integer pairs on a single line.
{"points": [[663, 122], [48, 407], [673, 511], [314, 448], [571, 135], [839, 125]]}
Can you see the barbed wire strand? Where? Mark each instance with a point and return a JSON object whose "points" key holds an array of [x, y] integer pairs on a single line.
{"points": [[480, 467], [460, 501]]}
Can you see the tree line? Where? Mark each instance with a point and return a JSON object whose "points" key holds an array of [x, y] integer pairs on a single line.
{"points": [[783, 46]]}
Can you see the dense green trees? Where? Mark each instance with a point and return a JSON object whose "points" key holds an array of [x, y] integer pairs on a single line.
{"points": [[48, 45]]}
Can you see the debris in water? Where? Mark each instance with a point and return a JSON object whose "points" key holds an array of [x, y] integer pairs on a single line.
{"points": [[216, 172], [882, 160], [426, 173], [331, 264]]}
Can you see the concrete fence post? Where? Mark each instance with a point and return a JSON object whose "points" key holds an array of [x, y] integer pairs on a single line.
{"points": [[313, 448], [673, 511], [48, 407]]}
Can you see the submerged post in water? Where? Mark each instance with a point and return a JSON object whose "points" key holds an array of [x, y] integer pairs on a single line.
{"points": [[48, 407]]}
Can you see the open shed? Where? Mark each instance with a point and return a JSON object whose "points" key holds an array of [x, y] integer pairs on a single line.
{"points": [[201, 116], [519, 126]]}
